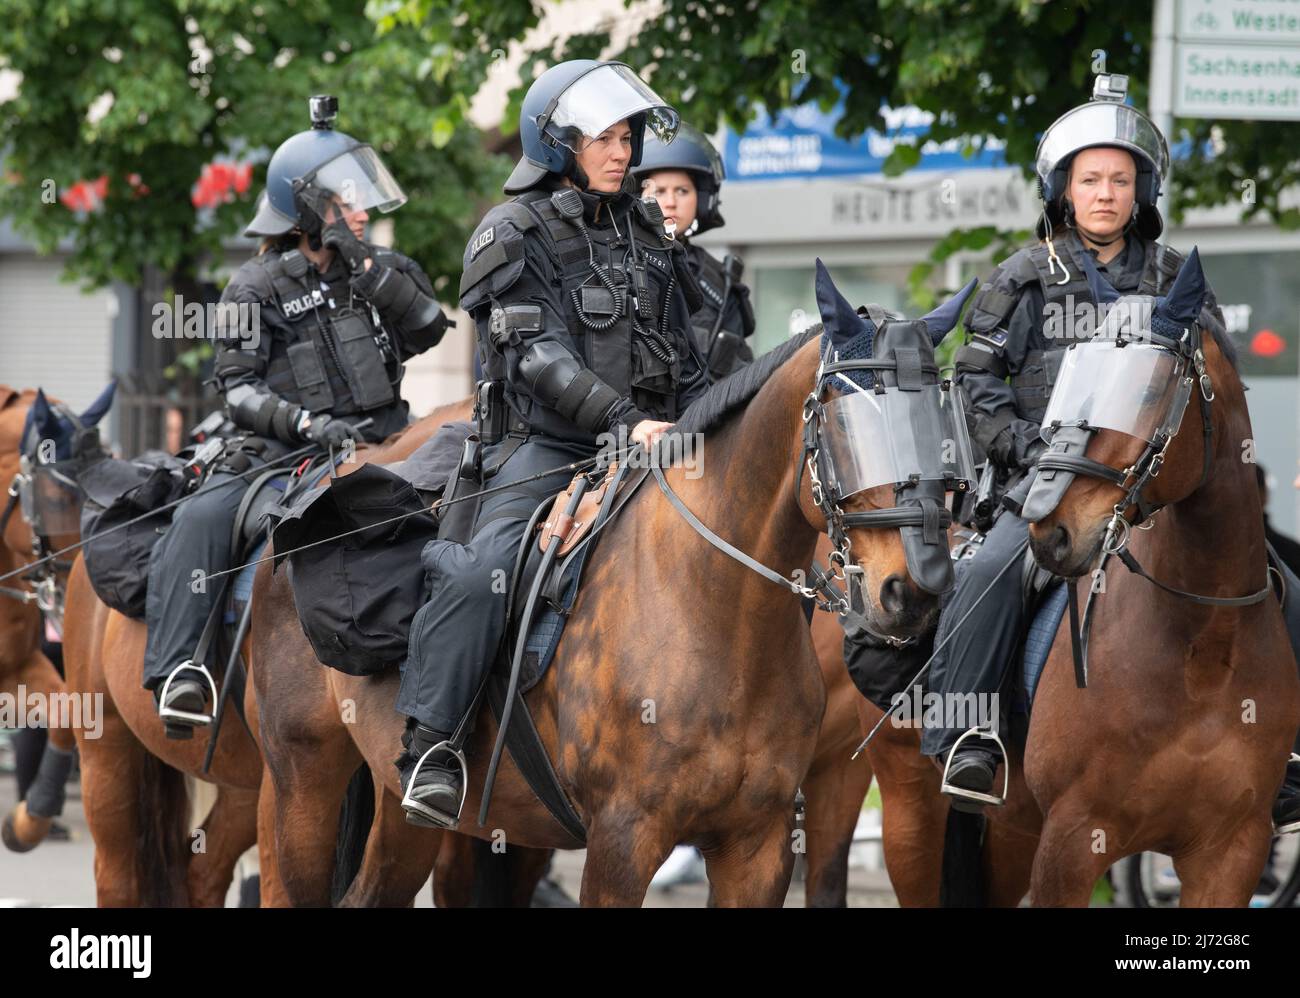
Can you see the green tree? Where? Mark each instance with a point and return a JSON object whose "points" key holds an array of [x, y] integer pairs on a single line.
{"points": [[1002, 69], [186, 82]]}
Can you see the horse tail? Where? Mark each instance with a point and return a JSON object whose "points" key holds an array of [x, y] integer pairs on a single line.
{"points": [[162, 855], [493, 876], [355, 819], [962, 882]]}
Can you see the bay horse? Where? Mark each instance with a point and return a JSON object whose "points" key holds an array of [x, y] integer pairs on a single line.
{"points": [[734, 681], [24, 668], [133, 775], [1179, 742]]}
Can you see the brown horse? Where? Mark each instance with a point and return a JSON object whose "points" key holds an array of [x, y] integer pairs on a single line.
{"points": [[736, 708], [133, 775], [1179, 742], [22, 662]]}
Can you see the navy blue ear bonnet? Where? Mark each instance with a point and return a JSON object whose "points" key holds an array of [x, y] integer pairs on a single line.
{"points": [[870, 331]]}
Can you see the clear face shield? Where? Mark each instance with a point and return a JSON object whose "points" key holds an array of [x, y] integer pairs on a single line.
{"points": [[1102, 123], [885, 438], [603, 97], [360, 181], [1135, 388]]}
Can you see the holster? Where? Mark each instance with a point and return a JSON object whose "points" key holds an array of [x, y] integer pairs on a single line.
{"points": [[456, 523]]}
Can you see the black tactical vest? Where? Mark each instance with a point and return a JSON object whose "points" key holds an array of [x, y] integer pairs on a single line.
{"points": [[645, 366], [336, 357], [997, 299]]}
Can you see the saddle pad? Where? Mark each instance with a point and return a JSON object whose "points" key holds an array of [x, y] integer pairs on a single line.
{"points": [[1038, 642], [548, 625], [244, 580]]}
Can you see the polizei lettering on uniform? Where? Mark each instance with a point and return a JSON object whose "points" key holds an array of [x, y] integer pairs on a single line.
{"points": [[483, 239], [95, 952], [216, 320]]}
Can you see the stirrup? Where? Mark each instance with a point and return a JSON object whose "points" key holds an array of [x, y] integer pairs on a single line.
{"points": [[186, 718], [421, 812], [984, 734]]}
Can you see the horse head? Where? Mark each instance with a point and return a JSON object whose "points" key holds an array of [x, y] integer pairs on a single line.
{"points": [[1115, 454], [885, 441]]}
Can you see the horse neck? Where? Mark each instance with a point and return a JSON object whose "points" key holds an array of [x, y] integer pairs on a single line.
{"points": [[754, 502], [1212, 541]]}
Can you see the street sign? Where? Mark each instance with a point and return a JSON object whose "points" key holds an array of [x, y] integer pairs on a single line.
{"points": [[1263, 22], [1237, 81]]}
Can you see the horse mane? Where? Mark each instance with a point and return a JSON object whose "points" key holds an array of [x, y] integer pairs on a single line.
{"points": [[730, 395]]}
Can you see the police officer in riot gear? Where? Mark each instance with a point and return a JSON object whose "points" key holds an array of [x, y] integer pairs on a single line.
{"points": [[330, 321], [1100, 168], [583, 327], [685, 176]]}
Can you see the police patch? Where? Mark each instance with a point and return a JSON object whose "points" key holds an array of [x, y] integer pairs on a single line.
{"points": [[482, 240]]}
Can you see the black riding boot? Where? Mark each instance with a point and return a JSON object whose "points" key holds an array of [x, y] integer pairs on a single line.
{"points": [[431, 783], [186, 704], [972, 768]]}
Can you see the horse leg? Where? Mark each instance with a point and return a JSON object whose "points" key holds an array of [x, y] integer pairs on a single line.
{"points": [[398, 858], [229, 829], [915, 813], [1225, 875], [752, 870], [1071, 855], [271, 887], [624, 849], [833, 792]]}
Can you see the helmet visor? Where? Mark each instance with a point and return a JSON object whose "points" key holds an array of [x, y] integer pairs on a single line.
{"points": [[1103, 123], [605, 96], [883, 438], [359, 179], [1127, 388]]}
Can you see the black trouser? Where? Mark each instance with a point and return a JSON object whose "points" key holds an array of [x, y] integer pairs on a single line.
{"points": [[29, 742], [178, 602], [455, 636], [982, 648]]}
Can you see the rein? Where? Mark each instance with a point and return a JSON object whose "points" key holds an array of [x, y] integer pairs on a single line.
{"points": [[1133, 480]]}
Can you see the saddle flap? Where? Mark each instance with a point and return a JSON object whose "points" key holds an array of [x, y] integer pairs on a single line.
{"points": [[573, 529]]}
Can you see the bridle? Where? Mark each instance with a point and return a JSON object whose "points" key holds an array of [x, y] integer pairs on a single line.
{"points": [[832, 591], [1192, 376], [47, 574]]}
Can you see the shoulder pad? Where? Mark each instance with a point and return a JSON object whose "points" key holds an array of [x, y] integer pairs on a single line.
{"points": [[1001, 293], [255, 275], [496, 251]]}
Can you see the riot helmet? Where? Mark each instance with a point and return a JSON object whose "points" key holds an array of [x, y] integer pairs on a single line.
{"points": [[691, 151]]}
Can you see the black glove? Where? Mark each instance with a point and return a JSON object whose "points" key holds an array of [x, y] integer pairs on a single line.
{"points": [[338, 237], [330, 432]]}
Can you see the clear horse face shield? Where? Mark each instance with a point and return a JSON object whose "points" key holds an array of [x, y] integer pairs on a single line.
{"points": [[894, 436]]}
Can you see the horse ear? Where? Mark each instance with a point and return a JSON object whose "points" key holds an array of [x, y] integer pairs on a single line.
{"points": [[942, 319], [43, 416], [1103, 292], [96, 410], [840, 319], [1183, 302]]}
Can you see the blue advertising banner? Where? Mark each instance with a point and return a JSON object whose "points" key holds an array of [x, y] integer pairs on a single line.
{"points": [[801, 142]]}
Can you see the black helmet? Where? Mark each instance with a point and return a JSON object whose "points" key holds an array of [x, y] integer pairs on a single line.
{"points": [[1103, 121], [582, 97], [691, 151], [327, 160]]}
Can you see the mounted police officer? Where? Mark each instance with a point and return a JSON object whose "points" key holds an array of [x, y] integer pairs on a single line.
{"points": [[577, 294], [1100, 168], [329, 323], [685, 176]]}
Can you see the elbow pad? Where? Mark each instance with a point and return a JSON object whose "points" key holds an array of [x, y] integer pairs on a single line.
{"points": [[554, 378], [264, 413], [400, 300]]}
